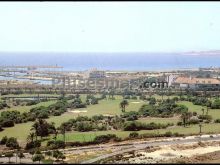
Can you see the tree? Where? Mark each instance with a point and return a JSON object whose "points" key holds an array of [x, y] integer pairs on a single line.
{"points": [[184, 118], [133, 135], [87, 102], [35, 128], [58, 155], [48, 153], [4, 140], [32, 153], [9, 155], [162, 94], [12, 143], [20, 155], [41, 128], [200, 129], [37, 156], [207, 110], [123, 105], [62, 157], [111, 94], [103, 96], [63, 132], [152, 101], [55, 135], [30, 137]]}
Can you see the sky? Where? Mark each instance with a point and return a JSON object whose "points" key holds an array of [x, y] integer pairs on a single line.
{"points": [[109, 26]]}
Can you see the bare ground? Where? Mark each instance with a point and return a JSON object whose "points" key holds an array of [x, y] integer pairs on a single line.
{"points": [[202, 152]]}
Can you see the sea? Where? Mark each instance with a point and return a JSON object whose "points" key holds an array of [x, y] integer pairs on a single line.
{"points": [[111, 61]]}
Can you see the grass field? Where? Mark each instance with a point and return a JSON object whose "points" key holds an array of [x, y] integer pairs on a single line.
{"points": [[104, 107], [159, 120], [108, 106], [22, 109], [88, 136], [215, 113]]}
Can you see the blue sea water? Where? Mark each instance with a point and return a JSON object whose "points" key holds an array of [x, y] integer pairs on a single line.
{"points": [[112, 61]]}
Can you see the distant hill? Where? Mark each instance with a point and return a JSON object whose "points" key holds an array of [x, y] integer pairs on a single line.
{"points": [[212, 52]]}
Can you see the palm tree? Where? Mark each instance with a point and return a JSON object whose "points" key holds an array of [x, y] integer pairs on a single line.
{"points": [[207, 110], [54, 130], [200, 128], [38, 156], [31, 136], [48, 153], [63, 132], [123, 104], [55, 135], [35, 128], [32, 153], [41, 128], [20, 155], [185, 117], [58, 155]]}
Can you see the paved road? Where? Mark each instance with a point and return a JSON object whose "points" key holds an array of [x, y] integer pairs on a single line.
{"points": [[149, 144]]}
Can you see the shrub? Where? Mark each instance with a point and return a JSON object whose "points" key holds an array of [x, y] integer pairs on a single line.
{"points": [[130, 116], [205, 117], [127, 97], [56, 144], [33, 144], [84, 126], [193, 121], [217, 121], [4, 140], [105, 138], [136, 126], [8, 123], [133, 135], [12, 143], [216, 104], [134, 97], [57, 113], [94, 101], [179, 123], [168, 134], [32, 102]]}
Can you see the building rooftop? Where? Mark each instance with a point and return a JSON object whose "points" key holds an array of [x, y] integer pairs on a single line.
{"points": [[189, 80]]}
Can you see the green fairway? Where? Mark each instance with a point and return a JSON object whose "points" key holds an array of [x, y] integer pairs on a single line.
{"points": [[215, 113], [173, 120], [105, 107], [194, 129], [111, 107], [22, 109], [19, 131], [89, 136]]}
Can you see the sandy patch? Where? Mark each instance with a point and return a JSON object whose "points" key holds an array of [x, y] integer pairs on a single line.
{"points": [[135, 102], [108, 115], [169, 152], [78, 111]]}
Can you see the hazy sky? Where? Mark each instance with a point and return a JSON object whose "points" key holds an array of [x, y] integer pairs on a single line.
{"points": [[109, 26]]}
